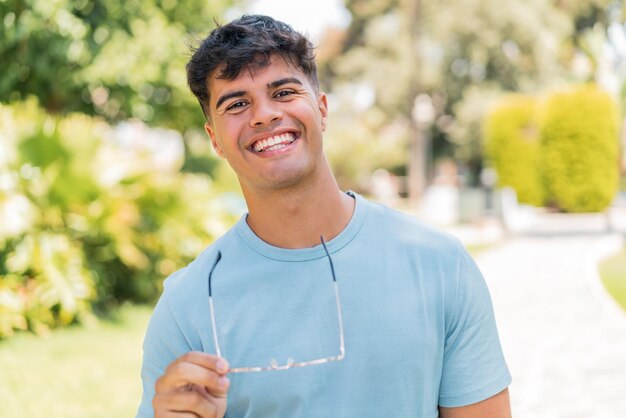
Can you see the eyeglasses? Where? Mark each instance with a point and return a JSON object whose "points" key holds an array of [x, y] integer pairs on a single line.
{"points": [[274, 365]]}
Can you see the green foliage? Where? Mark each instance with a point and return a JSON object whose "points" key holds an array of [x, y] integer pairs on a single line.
{"points": [[451, 50], [359, 144], [370, 126], [512, 146], [93, 215], [567, 156], [118, 59], [579, 142]]}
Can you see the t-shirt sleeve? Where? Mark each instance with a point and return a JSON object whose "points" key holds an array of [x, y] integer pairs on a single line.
{"points": [[163, 343], [474, 368]]}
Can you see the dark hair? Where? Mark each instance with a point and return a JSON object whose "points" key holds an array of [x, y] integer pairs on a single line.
{"points": [[244, 44]]}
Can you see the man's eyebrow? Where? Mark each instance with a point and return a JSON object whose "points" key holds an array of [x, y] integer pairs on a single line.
{"points": [[232, 94], [282, 81], [271, 85]]}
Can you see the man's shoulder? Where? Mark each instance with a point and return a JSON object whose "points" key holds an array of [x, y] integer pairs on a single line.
{"points": [[193, 278], [408, 229]]}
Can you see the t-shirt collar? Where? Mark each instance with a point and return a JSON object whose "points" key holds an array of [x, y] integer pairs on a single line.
{"points": [[304, 254]]}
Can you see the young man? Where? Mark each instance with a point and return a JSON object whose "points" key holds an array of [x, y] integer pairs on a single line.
{"points": [[317, 303]]}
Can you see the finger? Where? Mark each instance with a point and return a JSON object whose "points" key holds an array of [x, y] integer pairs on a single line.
{"points": [[179, 374], [179, 403], [202, 390], [206, 360]]}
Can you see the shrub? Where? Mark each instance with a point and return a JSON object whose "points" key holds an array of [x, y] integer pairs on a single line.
{"points": [[579, 140], [512, 146], [92, 215]]}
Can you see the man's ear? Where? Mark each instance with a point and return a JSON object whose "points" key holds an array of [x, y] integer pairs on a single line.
{"points": [[322, 103], [211, 133]]}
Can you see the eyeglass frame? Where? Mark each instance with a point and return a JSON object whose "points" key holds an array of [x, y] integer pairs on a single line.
{"points": [[290, 362]]}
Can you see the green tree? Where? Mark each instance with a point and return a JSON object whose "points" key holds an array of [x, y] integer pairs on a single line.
{"points": [[118, 59], [459, 53]]}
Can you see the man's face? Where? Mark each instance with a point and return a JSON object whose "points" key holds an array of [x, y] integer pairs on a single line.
{"points": [[268, 125]]}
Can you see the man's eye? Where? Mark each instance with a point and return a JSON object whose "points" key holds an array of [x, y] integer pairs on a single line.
{"points": [[284, 93], [236, 105]]}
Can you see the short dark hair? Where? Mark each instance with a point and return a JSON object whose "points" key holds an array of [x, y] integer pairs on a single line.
{"points": [[243, 44]]}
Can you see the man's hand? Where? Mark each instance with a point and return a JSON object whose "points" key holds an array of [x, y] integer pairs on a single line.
{"points": [[194, 385]]}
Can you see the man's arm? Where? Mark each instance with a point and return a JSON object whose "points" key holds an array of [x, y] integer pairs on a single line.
{"points": [[498, 406]]}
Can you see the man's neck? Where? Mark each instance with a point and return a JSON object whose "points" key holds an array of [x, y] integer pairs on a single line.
{"points": [[297, 217]]}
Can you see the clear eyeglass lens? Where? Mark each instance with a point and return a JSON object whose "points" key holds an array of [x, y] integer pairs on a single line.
{"points": [[290, 361]]}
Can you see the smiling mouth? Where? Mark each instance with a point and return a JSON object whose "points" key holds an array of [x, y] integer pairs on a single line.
{"points": [[274, 143]]}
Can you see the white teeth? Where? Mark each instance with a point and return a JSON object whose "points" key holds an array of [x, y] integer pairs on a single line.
{"points": [[275, 147], [274, 143]]}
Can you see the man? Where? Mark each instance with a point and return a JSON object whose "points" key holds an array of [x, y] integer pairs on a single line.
{"points": [[317, 303]]}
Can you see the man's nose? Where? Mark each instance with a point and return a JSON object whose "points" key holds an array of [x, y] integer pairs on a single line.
{"points": [[264, 112]]}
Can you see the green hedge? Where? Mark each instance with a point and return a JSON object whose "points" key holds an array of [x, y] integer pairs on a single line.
{"points": [[580, 149], [92, 215], [564, 152], [512, 146]]}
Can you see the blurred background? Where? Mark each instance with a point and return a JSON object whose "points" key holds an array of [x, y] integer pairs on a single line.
{"points": [[502, 122]]}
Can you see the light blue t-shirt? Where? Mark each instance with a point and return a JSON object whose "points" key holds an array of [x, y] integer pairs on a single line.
{"points": [[418, 321]]}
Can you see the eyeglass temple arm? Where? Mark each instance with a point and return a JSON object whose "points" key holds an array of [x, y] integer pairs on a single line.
{"points": [[217, 259], [332, 270], [213, 326], [332, 267]]}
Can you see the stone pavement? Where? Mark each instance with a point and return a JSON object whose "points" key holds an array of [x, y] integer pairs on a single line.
{"points": [[563, 336]]}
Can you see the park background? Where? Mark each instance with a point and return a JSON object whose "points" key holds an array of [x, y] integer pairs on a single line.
{"points": [[497, 120]]}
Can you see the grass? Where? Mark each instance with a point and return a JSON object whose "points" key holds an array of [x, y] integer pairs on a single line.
{"points": [[613, 273], [76, 372]]}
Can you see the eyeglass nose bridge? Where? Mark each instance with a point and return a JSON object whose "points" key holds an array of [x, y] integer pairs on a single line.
{"points": [[274, 365]]}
